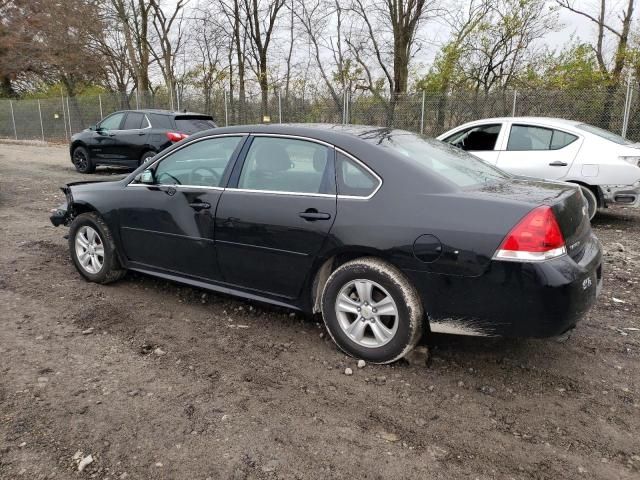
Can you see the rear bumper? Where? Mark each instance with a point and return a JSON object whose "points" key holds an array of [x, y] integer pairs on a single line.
{"points": [[628, 195], [514, 299]]}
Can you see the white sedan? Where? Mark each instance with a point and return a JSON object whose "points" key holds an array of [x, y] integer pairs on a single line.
{"points": [[605, 165]]}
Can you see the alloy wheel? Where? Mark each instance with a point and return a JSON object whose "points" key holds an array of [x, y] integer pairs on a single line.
{"points": [[80, 159], [367, 313], [89, 249]]}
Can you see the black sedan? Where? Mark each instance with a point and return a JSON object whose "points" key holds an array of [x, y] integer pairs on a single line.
{"points": [[131, 137], [384, 232]]}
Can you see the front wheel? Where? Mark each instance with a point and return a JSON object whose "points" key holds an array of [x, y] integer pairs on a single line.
{"points": [[82, 161], [92, 249], [371, 310]]}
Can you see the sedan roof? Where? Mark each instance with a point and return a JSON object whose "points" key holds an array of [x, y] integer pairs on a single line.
{"points": [[552, 121]]}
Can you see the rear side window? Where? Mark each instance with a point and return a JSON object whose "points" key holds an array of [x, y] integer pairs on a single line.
{"points": [[527, 138], [477, 139], [133, 121], [287, 165], [194, 124], [161, 121], [353, 179]]}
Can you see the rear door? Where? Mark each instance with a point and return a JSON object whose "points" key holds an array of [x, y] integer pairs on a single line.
{"points": [[275, 215], [538, 151], [482, 140]]}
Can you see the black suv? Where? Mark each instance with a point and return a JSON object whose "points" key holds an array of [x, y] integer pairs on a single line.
{"points": [[129, 138]]}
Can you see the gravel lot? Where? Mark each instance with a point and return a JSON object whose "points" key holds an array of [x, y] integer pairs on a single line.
{"points": [[157, 380]]}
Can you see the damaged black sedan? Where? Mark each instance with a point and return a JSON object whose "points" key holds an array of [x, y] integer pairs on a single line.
{"points": [[389, 235]]}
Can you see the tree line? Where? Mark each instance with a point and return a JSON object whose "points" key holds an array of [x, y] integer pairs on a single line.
{"points": [[301, 48]]}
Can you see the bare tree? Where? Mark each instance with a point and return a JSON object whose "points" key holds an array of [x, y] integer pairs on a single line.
{"points": [[232, 10], [261, 21], [611, 69]]}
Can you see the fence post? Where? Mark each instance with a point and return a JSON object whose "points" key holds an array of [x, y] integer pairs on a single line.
{"points": [[69, 117], [279, 107], [178, 99], [515, 100], [100, 102], [226, 110], [64, 115], [137, 101], [344, 107], [13, 120], [41, 124], [627, 108], [422, 114]]}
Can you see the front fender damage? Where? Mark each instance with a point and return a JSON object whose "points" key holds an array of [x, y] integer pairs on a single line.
{"points": [[64, 213]]}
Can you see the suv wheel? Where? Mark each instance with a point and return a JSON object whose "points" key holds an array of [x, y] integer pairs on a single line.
{"points": [[372, 311], [82, 161], [92, 249], [146, 156]]}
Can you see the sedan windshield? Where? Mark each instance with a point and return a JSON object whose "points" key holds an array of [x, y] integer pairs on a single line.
{"points": [[455, 165]]}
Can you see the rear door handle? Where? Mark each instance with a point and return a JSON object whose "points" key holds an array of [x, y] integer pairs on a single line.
{"points": [[197, 206], [558, 163], [312, 215]]}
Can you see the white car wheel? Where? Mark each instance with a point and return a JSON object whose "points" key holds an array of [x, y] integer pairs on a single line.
{"points": [[591, 201]]}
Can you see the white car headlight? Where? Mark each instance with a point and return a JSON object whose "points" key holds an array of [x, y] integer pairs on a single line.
{"points": [[632, 160]]}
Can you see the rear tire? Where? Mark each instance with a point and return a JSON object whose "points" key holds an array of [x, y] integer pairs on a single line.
{"points": [[82, 161], [372, 311], [591, 201], [92, 249], [146, 156]]}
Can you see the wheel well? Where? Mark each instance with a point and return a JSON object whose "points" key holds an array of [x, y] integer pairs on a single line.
{"points": [[76, 144], [594, 188], [327, 268], [80, 208]]}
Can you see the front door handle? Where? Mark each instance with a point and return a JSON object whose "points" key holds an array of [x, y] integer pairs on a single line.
{"points": [[197, 206], [311, 214], [558, 163]]}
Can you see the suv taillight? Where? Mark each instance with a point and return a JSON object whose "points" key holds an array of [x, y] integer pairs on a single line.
{"points": [[176, 136], [535, 238]]}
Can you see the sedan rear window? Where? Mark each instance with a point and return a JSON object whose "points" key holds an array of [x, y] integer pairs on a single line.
{"points": [[455, 165], [194, 124], [606, 134]]}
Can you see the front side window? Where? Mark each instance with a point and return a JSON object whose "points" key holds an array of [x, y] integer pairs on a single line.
{"points": [[134, 121], [112, 122], [476, 139], [353, 179], [287, 165], [198, 164], [526, 138]]}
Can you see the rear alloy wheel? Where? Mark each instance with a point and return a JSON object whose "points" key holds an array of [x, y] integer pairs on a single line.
{"points": [[82, 161], [371, 310], [591, 201], [92, 249], [146, 156]]}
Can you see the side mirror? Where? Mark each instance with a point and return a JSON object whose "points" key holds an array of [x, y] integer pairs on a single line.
{"points": [[146, 177]]}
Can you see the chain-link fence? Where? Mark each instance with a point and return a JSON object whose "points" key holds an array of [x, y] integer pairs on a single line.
{"points": [[56, 119]]}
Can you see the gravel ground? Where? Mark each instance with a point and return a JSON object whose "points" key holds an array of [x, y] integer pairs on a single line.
{"points": [[157, 380]]}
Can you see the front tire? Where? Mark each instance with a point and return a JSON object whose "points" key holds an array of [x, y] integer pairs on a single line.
{"points": [[82, 161], [372, 311], [92, 249]]}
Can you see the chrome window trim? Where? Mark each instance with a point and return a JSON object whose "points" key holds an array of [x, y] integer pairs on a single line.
{"points": [[162, 157], [366, 167], [277, 192], [177, 187]]}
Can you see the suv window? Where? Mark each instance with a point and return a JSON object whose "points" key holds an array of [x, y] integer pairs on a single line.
{"points": [[353, 179], [161, 121], [477, 139], [194, 124], [527, 138], [133, 121], [198, 164], [112, 122], [287, 165]]}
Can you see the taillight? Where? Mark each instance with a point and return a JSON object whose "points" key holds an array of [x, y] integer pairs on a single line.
{"points": [[176, 136], [535, 238]]}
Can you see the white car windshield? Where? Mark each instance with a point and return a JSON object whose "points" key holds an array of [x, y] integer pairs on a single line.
{"points": [[602, 133]]}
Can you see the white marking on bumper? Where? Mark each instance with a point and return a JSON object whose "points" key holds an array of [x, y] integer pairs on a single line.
{"points": [[457, 327]]}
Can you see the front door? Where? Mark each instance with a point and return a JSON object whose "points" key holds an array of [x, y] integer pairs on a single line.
{"points": [[539, 152], [275, 215], [169, 224], [104, 144], [480, 140]]}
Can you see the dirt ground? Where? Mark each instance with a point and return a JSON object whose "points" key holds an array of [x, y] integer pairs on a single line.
{"points": [[157, 380]]}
